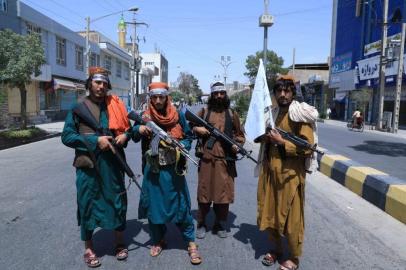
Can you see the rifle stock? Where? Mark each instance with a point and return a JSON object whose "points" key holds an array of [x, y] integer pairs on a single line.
{"points": [[217, 134], [83, 112]]}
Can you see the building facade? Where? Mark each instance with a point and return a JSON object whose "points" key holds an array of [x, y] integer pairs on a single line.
{"points": [[61, 83], [355, 55]]}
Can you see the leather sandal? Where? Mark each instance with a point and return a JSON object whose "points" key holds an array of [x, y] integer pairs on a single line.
{"points": [[288, 266], [91, 260], [121, 252], [157, 249], [194, 255], [269, 259]]}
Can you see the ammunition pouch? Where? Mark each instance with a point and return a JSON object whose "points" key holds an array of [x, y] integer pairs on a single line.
{"points": [[83, 160]]}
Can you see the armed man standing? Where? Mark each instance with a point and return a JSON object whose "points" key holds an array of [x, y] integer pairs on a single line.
{"points": [[217, 161], [165, 195], [101, 194], [281, 183]]}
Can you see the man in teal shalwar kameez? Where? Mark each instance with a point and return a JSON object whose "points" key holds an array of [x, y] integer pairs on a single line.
{"points": [[101, 194], [165, 195]]}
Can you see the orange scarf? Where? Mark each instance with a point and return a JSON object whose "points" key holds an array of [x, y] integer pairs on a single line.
{"points": [[170, 121], [118, 121]]}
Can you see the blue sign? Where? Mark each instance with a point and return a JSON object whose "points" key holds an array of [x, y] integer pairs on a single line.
{"points": [[341, 63]]}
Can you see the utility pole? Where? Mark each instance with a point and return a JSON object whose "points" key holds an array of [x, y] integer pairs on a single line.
{"points": [[293, 62], [265, 21], [399, 79], [135, 66], [382, 63], [87, 46]]}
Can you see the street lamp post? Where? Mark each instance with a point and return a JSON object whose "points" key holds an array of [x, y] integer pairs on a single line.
{"points": [[88, 21], [225, 62], [265, 21]]}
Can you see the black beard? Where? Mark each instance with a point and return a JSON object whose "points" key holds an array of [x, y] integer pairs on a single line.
{"points": [[218, 104]]}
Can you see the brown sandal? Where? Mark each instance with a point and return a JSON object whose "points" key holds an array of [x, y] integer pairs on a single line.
{"points": [[91, 260], [269, 259], [194, 255], [288, 266], [157, 249], [121, 252]]}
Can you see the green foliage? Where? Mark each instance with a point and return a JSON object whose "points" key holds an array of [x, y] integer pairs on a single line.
{"points": [[3, 94], [20, 58], [273, 66], [362, 97], [189, 85], [21, 133], [241, 104], [177, 96]]}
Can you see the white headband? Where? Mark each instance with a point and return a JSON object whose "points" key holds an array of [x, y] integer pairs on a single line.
{"points": [[158, 91], [100, 77], [218, 88]]}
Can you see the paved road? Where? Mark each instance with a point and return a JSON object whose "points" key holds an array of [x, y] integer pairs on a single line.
{"points": [[38, 226], [385, 153]]}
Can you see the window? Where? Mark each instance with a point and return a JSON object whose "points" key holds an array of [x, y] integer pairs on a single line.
{"points": [[149, 63], [3, 5], [61, 51], [118, 68], [31, 28], [358, 7], [79, 57], [107, 62], [126, 73], [94, 60]]}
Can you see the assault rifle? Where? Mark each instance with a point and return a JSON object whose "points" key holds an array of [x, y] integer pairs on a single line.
{"points": [[298, 141], [216, 134], [162, 135], [83, 112]]}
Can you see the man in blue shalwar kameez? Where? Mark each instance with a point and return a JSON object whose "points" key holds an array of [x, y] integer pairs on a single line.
{"points": [[101, 194], [165, 195]]}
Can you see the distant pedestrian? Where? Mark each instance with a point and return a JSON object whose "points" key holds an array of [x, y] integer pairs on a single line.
{"points": [[217, 168], [165, 194], [281, 183], [101, 194], [328, 112]]}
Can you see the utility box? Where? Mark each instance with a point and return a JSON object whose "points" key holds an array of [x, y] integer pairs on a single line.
{"points": [[265, 20]]}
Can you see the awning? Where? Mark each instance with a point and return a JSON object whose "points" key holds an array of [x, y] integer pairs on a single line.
{"points": [[64, 84], [80, 86]]}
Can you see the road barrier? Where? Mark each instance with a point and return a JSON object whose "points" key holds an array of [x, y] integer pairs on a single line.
{"points": [[382, 190]]}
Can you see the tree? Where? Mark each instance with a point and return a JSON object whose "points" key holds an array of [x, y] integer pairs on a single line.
{"points": [[189, 85], [362, 97], [20, 58], [273, 66]]}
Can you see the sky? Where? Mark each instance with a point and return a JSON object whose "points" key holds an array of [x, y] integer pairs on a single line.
{"points": [[194, 34]]}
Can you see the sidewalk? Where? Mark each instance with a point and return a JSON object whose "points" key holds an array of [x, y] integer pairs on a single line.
{"points": [[401, 132], [54, 127]]}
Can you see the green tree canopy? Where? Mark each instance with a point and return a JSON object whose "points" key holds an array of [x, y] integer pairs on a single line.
{"points": [[20, 58], [273, 67], [189, 85]]}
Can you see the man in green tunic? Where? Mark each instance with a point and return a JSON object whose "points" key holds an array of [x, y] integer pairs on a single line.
{"points": [[281, 181], [165, 195], [101, 194]]}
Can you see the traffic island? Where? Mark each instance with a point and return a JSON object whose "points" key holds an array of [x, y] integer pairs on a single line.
{"points": [[15, 137], [382, 190]]}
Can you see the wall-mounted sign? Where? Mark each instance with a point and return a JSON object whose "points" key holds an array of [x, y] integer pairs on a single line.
{"points": [[369, 68], [341, 63], [375, 47]]}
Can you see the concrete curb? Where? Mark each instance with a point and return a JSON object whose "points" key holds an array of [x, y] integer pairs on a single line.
{"points": [[382, 190], [49, 136]]}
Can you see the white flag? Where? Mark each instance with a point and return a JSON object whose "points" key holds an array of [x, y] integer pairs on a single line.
{"points": [[259, 113]]}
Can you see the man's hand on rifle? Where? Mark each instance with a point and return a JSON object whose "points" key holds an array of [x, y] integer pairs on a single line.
{"points": [[145, 131], [274, 137], [121, 139], [201, 131], [104, 143], [234, 148]]}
